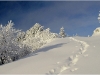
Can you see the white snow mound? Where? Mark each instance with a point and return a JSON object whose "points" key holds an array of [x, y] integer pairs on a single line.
{"points": [[96, 32]]}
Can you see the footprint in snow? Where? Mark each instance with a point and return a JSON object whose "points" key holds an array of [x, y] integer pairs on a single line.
{"points": [[74, 69], [73, 60], [63, 68]]}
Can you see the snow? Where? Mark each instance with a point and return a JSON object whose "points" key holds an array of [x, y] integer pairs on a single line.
{"points": [[96, 32], [70, 55]]}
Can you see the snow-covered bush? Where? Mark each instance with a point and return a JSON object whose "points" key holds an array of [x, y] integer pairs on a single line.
{"points": [[38, 36], [96, 32], [62, 33], [10, 49]]}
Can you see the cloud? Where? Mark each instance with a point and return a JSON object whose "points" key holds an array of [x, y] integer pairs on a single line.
{"points": [[64, 10], [55, 14]]}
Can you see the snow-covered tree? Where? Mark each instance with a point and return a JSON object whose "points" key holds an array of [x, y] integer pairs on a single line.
{"points": [[10, 49], [46, 35], [21, 36], [33, 30], [37, 36], [62, 33], [14, 44]]}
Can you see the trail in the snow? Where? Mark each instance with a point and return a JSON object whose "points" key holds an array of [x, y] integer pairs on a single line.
{"points": [[69, 63]]}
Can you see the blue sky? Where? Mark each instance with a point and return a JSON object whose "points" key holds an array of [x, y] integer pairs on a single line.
{"points": [[75, 16]]}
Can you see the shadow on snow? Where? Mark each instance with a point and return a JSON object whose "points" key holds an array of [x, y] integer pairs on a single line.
{"points": [[45, 49]]}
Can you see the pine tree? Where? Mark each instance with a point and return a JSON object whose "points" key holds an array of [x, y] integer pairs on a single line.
{"points": [[62, 33]]}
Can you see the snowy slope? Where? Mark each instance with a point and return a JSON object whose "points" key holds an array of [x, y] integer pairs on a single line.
{"points": [[71, 55], [89, 64]]}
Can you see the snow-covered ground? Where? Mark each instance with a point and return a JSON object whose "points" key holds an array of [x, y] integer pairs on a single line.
{"points": [[70, 55]]}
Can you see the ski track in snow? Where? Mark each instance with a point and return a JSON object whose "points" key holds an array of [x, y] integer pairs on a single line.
{"points": [[72, 60]]}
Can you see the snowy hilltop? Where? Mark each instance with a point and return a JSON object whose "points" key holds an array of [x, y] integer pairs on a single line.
{"points": [[42, 52]]}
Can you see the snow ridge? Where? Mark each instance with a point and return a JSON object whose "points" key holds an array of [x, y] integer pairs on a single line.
{"points": [[69, 65]]}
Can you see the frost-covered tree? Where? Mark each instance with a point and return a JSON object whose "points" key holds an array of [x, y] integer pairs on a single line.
{"points": [[10, 49], [46, 35], [62, 33], [37, 36], [33, 30], [21, 36], [14, 44]]}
